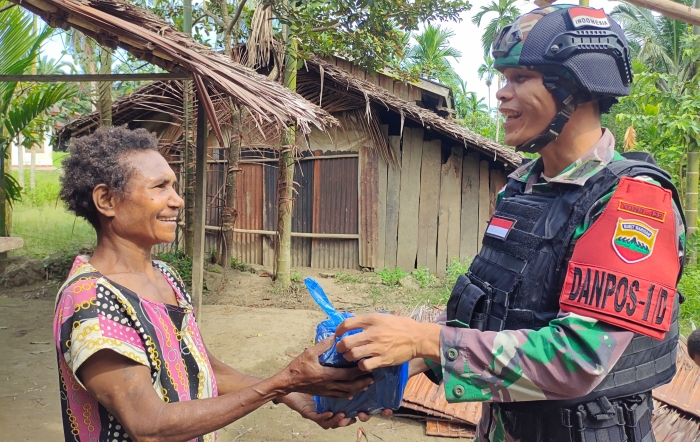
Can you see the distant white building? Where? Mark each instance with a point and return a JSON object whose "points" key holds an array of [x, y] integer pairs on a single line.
{"points": [[44, 156]]}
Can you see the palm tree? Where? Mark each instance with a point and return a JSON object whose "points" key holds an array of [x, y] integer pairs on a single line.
{"points": [[475, 106], [432, 52], [506, 13], [487, 72], [19, 106], [656, 41]]}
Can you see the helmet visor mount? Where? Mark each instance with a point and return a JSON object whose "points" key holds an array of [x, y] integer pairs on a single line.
{"points": [[509, 37]]}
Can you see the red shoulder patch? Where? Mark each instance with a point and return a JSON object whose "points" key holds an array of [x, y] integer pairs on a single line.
{"points": [[624, 268]]}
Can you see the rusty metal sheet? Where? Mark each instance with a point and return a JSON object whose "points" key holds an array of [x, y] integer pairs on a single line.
{"points": [[449, 429], [334, 253], [249, 204], [421, 390], [671, 425], [337, 185], [683, 392], [335, 210], [302, 215]]}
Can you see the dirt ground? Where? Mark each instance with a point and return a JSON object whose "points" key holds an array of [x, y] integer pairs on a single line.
{"points": [[242, 324]]}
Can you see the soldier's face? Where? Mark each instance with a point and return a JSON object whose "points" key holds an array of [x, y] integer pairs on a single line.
{"points": [[526, 104]]}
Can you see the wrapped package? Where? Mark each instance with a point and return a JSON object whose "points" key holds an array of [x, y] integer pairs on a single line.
{"points": [[389, 382]]}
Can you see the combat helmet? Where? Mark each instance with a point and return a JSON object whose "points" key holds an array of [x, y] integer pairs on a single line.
{"points": [[582, 52]]}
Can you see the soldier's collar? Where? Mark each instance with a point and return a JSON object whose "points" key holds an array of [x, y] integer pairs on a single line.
{"points": [[580, 170]]}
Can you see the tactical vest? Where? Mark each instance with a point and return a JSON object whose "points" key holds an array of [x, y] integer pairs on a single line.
{"points": [[515, 283]]}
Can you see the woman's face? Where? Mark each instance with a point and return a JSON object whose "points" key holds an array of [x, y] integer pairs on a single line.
{"points": [[526, 104], [147, 211]]}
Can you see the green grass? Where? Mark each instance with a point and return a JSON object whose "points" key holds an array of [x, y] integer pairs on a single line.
{"points": [[347, 278], [690, 309], [43, 222]]}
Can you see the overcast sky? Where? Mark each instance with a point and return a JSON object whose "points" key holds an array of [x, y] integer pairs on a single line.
{"points": [[468, 40]]}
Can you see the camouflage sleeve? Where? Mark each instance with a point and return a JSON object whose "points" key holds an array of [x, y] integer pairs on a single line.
{"points": [[567, 359]]}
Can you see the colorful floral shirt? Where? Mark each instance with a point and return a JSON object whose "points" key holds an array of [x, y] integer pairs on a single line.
{"points": [[562, 361], [93, 314]]}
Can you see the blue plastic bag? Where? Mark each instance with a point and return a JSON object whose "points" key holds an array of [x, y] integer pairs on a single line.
{"points": [[389, 382]]}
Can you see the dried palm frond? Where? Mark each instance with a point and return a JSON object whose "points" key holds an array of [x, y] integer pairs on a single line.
{"points": [[117, 23], [359, 91], [630, 139], [260, 43]]}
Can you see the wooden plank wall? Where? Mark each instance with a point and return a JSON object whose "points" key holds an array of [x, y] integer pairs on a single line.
{"points": [[449, 226], [411, 157], [429, 212], [393, 190], [429, 205], [368, 188], [469, 237]]}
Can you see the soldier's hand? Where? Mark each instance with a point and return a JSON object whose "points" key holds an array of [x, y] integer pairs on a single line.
{"points": [[387, 340]]}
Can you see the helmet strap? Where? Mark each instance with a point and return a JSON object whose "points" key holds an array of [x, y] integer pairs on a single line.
{"points": [[568, 104]]}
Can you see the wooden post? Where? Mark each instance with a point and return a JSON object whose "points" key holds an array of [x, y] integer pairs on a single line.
{"points": [[200, 210], [671, 9]]}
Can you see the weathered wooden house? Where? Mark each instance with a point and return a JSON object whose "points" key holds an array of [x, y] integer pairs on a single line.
{"points": [[398, 184]]}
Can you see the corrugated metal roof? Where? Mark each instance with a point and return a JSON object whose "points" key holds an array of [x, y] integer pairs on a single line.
{"points": [[683, 392]]}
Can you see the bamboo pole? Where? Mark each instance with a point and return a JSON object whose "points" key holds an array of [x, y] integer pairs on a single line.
{"points": [[671, 9], [200, 211], [691, 201]]}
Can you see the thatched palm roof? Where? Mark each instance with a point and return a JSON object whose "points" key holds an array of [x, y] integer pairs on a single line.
{"points": [[410, 110], [342, 91], [116, 23]]}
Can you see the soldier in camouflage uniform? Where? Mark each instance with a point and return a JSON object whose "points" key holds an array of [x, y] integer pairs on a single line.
{"points": [[567, 317]]}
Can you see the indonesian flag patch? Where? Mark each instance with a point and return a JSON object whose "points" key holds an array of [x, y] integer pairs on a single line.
{"points": [[499, 227], [582, 17]]}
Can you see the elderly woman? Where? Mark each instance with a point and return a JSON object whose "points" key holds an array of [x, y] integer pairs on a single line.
{"points": [[132, 362]]}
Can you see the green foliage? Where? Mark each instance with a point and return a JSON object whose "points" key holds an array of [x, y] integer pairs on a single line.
{"points": [[391, 277], [21, 104], [238, 265], [424, 277], [180, 262], [46, 190], [296, 276], [431, 53], [456, 268], [689, 286], [505, 13]]}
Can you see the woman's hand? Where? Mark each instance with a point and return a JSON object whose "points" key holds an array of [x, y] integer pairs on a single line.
{"points": [[387, 340], [304, 405], [306, 375]]}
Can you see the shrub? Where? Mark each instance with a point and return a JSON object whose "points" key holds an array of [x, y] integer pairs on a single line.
{"points": [[180, 262], [424, 277], [391, 277]]}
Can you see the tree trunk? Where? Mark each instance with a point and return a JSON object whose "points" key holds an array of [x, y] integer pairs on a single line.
{"points": [[229, 214], [20, 161], [285, 185], [105, 88], [691, 202]]}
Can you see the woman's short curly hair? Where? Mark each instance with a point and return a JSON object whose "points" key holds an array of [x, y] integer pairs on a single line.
{"points": [[96, 159]]}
